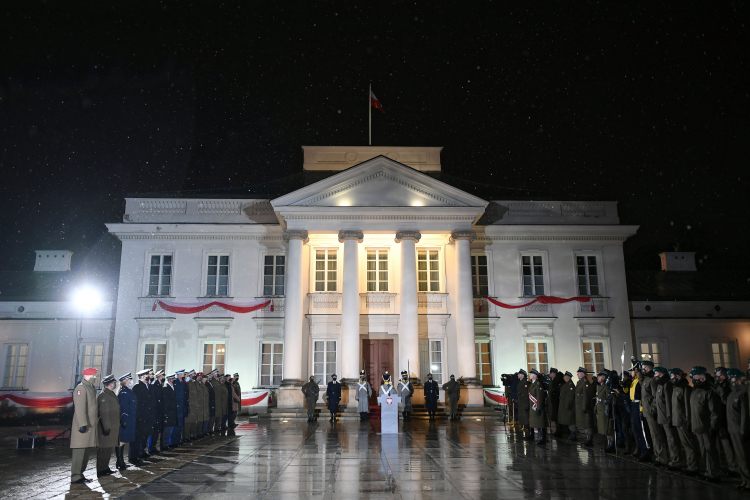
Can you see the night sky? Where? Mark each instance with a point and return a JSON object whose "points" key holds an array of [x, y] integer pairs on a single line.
{"points": [[644, 105]]}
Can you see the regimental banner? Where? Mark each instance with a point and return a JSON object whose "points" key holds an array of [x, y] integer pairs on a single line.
{"points": [[55, 401]]}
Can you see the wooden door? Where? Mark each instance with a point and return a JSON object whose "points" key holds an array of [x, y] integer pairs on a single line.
{"points": [[378, 358]]}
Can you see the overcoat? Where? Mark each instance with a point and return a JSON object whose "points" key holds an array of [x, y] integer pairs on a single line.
{"points": [[405, 392], [220, 395], [681, 403], [523, 401], [157, 392], [109, 419], [86, 413], [194, 408], [566, 413], [236, 398], [387, 390], [363, 396], [737, 411], [431, 395], [169, 399], [333, 395], [537, 392], [648, 395], [553, 397], [453, 391], [128, 409], [663, 401], [204, 399], [179, 392], [238, 390], [705, 408], [211, 398], [603, 397], [585, 395], [144, 417], [186, 401]]}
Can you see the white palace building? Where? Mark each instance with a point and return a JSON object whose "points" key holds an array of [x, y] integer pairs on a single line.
{"points": [[378, 264]]}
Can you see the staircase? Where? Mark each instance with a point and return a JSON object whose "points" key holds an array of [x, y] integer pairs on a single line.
{"points": [[350, 415]]}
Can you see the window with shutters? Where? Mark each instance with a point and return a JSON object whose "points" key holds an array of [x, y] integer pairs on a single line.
{"points": [[326, 270], [377, 270], [274, 267]]}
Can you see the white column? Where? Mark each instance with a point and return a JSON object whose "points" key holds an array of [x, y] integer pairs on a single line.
{"points": [[409, 337], [350, 355], [293, 313], [465, 306]]}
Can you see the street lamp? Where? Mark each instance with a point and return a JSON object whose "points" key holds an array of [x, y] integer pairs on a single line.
{"points": [[85, 298]]}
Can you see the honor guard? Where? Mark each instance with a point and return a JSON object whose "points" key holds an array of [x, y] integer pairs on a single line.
{"points": [[191, 420], [220, 395], [453, 391], [603, 409], [333, 396], [663, 400], [236, 400], [170, 411], [431, 396], [108, 429], [566, 410], [405, 391], [537, 397], [311, 392], [705, 406], [681, 392], [128, 409], [83, 434], [387, 389], [585, 395], [737, 423], [209, 384], [364, 391], [524, 407], [553, 400], [648, 404], [175, 439], [157, 392], [723, 389], [144, 418]]}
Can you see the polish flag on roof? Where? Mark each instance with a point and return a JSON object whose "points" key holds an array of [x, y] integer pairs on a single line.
{"points": [[374, 101]]}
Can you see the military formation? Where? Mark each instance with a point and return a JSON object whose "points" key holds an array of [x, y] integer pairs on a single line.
{"points": [[683, 422], [151, 414]]}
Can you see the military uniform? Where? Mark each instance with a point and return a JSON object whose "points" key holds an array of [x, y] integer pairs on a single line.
{"points": [[238, 390], [128, 410], [524, 406], [635, 415], [723, 389], [179, 390], [663, 402], [431, 396], [236, 401], [566, 410], [705, 406], [108, 429], [157, 393], [553, 400], [537, 416], [221, 395], [333, 397], [585, 395], [364, 391], [680, 412], [205, 408], [144, 419], [194, 408], [648, 404], [170, 411], [453, 392], [602, 410], [83, 435], [405, 392], [208, 424], [738, 424], [311, 393]]}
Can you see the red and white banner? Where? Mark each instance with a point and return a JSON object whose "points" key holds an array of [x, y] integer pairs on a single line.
{"points": [[542, 299], [254, 398], [495, 397], [38, 402], [376, 103], [192, 308]]}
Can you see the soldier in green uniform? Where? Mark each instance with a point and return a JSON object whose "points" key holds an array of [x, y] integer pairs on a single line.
{"points": [[585, 395], [524, 405], [83, 435], [238, 389], [680, 411], [453, 391], [705, 406], [566, 412], [602, 410], [537, 397], [311, 390], [648, 403], [724, 389], [109, 426], [553, 401], [663, 403], [195, 409], [738, 424]]}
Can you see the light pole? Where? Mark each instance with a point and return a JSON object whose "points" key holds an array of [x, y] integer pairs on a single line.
{"points": [[85, 298]]}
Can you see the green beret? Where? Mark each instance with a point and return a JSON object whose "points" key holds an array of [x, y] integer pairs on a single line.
{"points": [[660, 369], [697, 370], [734, 372], [647, 363], [720, 369], [676, 371]]}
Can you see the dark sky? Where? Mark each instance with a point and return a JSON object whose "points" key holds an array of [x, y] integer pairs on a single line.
{"points": [[644, 105]]}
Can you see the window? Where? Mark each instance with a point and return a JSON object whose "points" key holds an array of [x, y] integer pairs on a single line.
{"points": [[428, 271], [217, 275], [273, 275], [91, 357], [325, 270], [431, 360], [533, 275], [160, 275], [537, 357], [479, 275], [723, 354], [484, 364], [271, 356], [154, 356], [588, 277], [650, 352], [324, 360], [377, 270], [593, 356], [14, 372], [214, 355]]}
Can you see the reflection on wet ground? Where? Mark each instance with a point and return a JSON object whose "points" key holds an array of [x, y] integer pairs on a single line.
{"points": [[294, 460]]}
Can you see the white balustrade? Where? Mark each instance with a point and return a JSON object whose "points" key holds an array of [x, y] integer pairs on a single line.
{"points": [[377, 303], [210, 207], [162, 207], [325, 303], [432, 303]]}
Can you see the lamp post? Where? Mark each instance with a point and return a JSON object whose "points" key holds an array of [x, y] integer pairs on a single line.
{"points": [[85, 298]]}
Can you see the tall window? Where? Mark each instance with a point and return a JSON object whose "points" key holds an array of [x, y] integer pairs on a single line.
{"points": [[377, 270], [650, 352], [428, 271], [324, 360], [484, 363], [479, 275], [273, 275], [91, 357], [537, 356], [160, 275], [723, 354], [217, 275], [533, 275], [271, 357], [154, 356], [214, 355], [14, 371], [593, 356], [325, 270], [431, 360], [588, 277]]}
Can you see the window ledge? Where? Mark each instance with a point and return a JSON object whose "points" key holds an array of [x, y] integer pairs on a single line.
{"points": [[206, 297], [146, 297], [14, 389]]}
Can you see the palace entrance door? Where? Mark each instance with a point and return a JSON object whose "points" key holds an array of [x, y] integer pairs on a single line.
{"points": [[378, 357]]}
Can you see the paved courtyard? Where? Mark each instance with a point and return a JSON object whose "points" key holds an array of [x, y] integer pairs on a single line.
{"points": [[295, 460]]}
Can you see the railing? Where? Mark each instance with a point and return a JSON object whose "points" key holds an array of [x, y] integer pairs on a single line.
{"points": [[208, 207], [600, 308], [553, 212], [325, 303], [277, 304], [536, 310], [377, 303], [162, 207], [481, 307], [432, 303]]}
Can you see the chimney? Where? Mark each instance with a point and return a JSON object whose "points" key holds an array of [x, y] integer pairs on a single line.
{"points": [[52, 261], [678, 261]]}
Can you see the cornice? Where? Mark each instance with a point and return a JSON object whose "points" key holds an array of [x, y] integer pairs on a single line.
{"points": [[196, 237], [552, 238], [379, 217]]}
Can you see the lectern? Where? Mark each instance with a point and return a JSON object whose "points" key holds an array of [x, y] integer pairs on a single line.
{"points": [[388, 413]]}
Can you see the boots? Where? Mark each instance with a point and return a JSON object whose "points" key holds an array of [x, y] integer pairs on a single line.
{"points": [[540, 436], [572, 436], [119, 451], [589, 441], [610, 446]]}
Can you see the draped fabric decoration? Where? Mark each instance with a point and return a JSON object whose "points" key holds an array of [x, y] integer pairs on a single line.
{"points": [[495, 397], [543, 299], [254, 398], [192, 308], [53, 402]]}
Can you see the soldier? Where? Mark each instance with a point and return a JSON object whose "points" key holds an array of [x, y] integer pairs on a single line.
{"points": [[642, 451], [83, 435], [705, 406], [453, 391], [208, 383], [405, 391], [680, 412], [566, 412], [648, 404], [553, 401], [205, 405], [175, 439], [191, 421], [387, 389], [724, 389], [431, 396], [220, 393], [108, 429], [311, 392], [663, 400], [524, 408], [144, 419], [364, 391], [333, 396], [157, 392], [603, 409], [170, 411], [128, 409], [537, 396], [236, 401], [737, 423], [238, 390], [624, 426], [585, 395]]}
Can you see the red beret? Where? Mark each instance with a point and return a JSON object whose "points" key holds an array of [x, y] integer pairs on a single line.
{"points": [[90, 371], [199, 374]]}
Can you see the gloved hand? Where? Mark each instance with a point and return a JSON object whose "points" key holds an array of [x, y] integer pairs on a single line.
{"points": [[712, 432], [105, 432], [82, 429], [124, 424]]}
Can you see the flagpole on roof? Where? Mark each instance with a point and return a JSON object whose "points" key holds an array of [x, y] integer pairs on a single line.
{"points": [[369, 116]]}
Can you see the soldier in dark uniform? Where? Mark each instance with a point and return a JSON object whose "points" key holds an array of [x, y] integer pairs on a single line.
{"points": [[642, 451], [128, 409], [553, 400], [453, 391], [663, 401], [585, 395], [170, 411], [234, 402], [724, 389], [602, 411], [364, 391], [705, 407], [622, 416], [431, 396], [648, 404], [209, 384], [405, 391], [191, 419], [144, 418], [175, 439], [333, 396], [524, 406], [220, 392], [238, 390], [157, 393], [537, 396], [680, 410], [109, 426], [738, 424], [311, 392], [566, 410]]}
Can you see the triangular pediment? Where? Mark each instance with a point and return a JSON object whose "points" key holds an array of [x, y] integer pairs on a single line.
{"points": [[379, 182]]}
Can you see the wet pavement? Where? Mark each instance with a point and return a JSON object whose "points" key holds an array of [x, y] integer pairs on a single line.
{"points": [[295, 460]]}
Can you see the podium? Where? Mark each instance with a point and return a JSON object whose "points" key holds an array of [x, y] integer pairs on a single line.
{"points": [[388, 413]]}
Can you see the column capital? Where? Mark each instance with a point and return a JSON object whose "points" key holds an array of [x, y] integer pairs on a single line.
{"points": [[466, 234], [411, 235], [346, 234], [295, 233]]}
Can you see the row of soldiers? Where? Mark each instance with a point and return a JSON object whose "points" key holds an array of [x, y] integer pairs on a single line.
{"points": [[679, 421], [167, 411]]}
